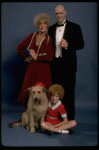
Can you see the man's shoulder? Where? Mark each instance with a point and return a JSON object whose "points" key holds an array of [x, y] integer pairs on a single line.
{"points": [[68, 22], [53, 26], [72, 24]]}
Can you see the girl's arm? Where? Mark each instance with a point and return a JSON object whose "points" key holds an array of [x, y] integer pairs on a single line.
{"points": [[65, 120]]}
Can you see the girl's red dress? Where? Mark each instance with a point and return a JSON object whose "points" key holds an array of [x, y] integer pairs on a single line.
{"points": [[39, 70], [53, 113]]}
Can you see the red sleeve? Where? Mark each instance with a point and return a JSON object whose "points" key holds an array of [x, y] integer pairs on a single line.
{"points": [[23, 45], [62, 109], [50, 54]]}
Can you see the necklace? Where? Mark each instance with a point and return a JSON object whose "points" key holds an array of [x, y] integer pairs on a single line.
{"points": [[40, 40]]}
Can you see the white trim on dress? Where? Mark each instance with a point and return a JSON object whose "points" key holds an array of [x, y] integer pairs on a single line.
{"points": [[55, 106]]}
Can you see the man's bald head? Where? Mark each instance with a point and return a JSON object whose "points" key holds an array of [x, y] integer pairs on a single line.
{"points": [[60, 13], [60, 7]]}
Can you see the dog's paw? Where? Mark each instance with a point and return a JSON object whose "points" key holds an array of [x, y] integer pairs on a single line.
{"points": [[32, 130]]}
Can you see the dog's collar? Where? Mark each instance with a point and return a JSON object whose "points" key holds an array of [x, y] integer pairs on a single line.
{"points": [[55, 106]]}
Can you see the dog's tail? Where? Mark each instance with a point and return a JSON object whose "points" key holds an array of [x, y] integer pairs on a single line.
{"points": [[14, 124], [18, 123]]}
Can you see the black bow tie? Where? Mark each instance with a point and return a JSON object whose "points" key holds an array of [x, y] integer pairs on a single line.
{"points": [[59, 25]]}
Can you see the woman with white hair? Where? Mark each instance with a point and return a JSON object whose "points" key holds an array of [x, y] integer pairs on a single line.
{"points": [[41, 53]]}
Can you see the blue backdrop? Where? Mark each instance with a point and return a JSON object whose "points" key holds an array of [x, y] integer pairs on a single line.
{"points": [[17, 23]]}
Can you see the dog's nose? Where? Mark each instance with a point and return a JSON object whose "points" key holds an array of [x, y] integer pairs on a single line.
{"points": [[36, 99]]}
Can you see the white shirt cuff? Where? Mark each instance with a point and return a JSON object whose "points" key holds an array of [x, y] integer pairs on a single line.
{"points": [[63, 115]]}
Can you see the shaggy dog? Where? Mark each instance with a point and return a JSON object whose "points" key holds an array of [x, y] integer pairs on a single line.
{"points": [[36, 108]]}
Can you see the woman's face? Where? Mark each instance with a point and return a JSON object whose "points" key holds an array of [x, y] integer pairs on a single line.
{"points": [[42, 26]]}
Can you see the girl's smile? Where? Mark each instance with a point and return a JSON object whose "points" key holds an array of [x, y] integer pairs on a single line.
{"points": [[54, 99]]}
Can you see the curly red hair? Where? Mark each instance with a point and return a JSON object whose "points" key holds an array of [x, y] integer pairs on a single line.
{"points": [[57, 89]]}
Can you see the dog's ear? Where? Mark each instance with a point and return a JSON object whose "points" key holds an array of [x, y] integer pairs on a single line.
{"points": [[29, 89], [45, 90]]}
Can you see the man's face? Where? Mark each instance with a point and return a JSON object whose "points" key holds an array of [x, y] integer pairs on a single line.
{"points": [[60, 14]]}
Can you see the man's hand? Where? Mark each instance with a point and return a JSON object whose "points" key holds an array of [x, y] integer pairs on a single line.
{"points": [[63, 43], [28, 59]]}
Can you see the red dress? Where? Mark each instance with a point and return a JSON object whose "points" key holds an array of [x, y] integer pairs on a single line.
{"points": [[37, 71], [53, 113]]}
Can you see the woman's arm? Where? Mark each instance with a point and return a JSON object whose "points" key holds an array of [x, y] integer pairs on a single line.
{"points": [[23, 45], [50, 54]]}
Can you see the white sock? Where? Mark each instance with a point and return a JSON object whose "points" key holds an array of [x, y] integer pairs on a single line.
{"points": [[63, 131]]}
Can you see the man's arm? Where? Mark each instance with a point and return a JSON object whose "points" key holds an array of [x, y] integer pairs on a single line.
{"points": [[76, 41]]}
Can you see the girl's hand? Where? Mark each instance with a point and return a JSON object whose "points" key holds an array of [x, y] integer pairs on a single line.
{"points": [[65, 121], [28, 59]]}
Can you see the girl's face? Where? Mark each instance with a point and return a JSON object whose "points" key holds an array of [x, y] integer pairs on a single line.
{"points": [[42, 26], [54, 98]]}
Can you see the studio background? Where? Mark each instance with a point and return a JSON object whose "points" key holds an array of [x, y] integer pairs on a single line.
{"points": [[17, 23]]}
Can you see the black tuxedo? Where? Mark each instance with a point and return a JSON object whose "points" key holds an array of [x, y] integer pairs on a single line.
{"points": [[63, 69]]}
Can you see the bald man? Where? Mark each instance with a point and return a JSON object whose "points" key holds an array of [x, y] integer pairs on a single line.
{"points": [[66, 39]]}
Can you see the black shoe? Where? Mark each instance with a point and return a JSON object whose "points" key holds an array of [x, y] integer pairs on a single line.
{"points": [[70, 131], [49, 132]]}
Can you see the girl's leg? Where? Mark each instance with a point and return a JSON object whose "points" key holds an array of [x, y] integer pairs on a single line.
{"points": [[49, 124], [68, 125], [50, 127]]}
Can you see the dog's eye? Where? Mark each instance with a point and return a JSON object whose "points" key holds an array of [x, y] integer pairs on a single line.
{"points": [[39, 92], [33, 92]]}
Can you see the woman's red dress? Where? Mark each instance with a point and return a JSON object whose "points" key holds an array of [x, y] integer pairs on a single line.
{"points": [[39, 70]]}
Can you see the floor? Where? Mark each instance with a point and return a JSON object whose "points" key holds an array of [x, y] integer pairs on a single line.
{"points": [[85, 133]]}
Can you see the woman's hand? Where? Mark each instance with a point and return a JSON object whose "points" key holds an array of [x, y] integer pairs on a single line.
{"points": [[28, 59], [33, 54]]}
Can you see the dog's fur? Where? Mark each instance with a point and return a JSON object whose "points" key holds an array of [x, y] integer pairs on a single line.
{"points": [[36, 108]]}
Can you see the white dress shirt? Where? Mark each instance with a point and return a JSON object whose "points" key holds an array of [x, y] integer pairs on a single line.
{"points": [[59, 36]]}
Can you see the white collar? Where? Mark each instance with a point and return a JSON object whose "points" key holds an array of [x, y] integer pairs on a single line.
{"points": [[55, 106], [63, 22]]}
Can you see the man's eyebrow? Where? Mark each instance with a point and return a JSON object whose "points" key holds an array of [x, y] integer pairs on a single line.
{"points": [[58, 12]]}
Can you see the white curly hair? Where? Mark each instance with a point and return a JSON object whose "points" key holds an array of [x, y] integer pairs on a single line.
{"points": [[42, 16]]}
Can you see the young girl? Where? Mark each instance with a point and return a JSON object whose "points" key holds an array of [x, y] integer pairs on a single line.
{"points": [[53, 122]]}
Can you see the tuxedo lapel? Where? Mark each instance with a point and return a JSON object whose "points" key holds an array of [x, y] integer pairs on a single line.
{"points": [[65, 35], [54, 35]]}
